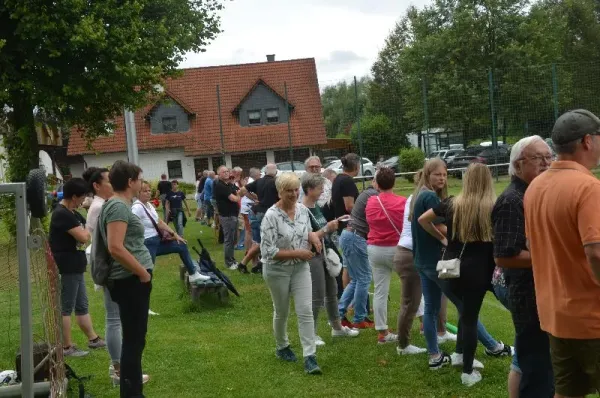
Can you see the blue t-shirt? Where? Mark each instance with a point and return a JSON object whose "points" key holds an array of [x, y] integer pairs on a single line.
{"points": [[176, 199], [426, 248], [208, 189]]}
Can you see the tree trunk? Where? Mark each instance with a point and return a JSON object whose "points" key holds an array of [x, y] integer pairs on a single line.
{"points": [[21, 142]]}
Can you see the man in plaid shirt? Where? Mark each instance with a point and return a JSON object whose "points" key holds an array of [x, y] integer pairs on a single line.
{"points": [[531, 371]]}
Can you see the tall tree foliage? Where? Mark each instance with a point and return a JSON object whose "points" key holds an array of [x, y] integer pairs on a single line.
{"points": [[84, 61], [342, 105]]}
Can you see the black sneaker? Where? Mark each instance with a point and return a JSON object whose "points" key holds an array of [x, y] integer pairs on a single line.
{"points": [[242, 268], [310, 365], [257, 269], [506, 351], [286, 354], [443, 360]]}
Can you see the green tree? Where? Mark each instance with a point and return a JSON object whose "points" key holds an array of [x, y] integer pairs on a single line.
{"points": [[339, 103], [84, 61], [378, 137]]}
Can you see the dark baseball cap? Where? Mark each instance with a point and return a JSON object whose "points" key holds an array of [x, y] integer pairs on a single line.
{"points": [[574, 125]]}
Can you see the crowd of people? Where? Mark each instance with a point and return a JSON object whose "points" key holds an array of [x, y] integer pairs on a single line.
{"points": [[317, 239]]}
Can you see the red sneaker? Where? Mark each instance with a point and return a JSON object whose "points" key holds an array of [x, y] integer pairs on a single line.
{"points": [[365, 324], [346, 322]]}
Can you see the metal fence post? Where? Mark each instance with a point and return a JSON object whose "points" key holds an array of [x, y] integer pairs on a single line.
{"points": [[493, 114], [425, 116], [555, 91], [289, 126], [360, 141]]}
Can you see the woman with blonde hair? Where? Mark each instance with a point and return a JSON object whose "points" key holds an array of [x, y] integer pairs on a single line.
{"points": [[286, 237], [468, 218]]}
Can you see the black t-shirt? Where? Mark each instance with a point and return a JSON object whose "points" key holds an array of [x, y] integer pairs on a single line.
{"points": [[175, 200], [201, 184], [343, 186], [221, 193], [67, 252], [266, 191], [477, 261], [164, 187]]}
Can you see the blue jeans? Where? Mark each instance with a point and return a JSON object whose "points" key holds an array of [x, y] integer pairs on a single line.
{"points": [[433, 288], [354, 253], [178, 221], [158, 249], [255, 221], [501, 293]]}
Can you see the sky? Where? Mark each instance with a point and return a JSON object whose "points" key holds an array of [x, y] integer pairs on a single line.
{"points": [[344, 36]]}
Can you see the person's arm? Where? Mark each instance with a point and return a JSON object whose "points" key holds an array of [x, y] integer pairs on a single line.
{"points": [[592, 253], [509, 235], [331, 227], [521, 260], [80, 234], [426, 221], [187, 208], [348, 203], [167, 209], [115, 232], [588, 224]]}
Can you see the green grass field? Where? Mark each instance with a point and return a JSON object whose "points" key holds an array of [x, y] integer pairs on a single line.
{"points": [[214, 350]]}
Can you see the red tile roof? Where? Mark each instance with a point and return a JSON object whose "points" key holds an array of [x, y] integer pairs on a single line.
{"points": [[196, 91]]}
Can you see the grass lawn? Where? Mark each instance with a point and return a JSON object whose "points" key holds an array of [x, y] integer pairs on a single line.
{"points": [[212, 350]]}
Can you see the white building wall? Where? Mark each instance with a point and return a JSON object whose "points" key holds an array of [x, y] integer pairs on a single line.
{"points": [[153, 163]]}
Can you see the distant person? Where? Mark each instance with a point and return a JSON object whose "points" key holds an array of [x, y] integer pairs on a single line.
{"points": [[201, 180], [174, 207], [531, 368], [247, 203], [208, 198], [562, 226], [67, 239], [163, 188], [286, 240], [225, 193]]}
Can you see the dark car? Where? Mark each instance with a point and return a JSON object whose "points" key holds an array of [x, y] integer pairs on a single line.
{"points": [[392, 163], [479, 154]]}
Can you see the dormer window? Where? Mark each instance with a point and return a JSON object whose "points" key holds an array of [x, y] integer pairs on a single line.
{"points": [[169, 124], [254, 118], [273, 115]]}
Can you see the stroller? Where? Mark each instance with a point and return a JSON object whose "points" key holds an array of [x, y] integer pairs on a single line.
{"points": [[218, 283]]}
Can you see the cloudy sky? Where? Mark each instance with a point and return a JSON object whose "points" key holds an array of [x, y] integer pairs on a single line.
{"points": [[344, 36]]}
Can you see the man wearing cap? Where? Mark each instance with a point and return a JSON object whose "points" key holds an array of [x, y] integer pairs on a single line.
{"points": [[531, 368], [562, 225]]}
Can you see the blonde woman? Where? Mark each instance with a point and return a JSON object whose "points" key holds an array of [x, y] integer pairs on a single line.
{"points": [[286, 239], [469, 237]]}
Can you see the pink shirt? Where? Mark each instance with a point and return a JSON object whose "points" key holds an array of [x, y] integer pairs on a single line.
{"points": [[381, 231]]}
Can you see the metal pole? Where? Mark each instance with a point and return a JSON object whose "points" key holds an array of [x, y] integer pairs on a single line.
{"points": [[360, 141], [426, 116], [220, 125], [555, 91], [493, 114], [287, 106], [24, 292], [131, 137]]}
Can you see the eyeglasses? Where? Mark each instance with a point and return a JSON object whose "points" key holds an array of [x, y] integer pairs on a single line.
{"points": [[315, 166], [539, 158]]}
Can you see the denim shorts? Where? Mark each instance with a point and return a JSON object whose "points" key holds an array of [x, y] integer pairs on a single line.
{"points": [[255, 221], [73, 295]]}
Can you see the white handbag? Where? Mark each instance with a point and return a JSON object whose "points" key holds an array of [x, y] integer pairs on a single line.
{"points": [[449, 269], [332, 262]]}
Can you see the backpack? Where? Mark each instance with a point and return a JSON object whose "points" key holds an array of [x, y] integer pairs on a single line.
{"points": [[100, 259]]}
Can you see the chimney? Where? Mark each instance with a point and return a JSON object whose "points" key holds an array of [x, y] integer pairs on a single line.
{"points": [[270, 57]]}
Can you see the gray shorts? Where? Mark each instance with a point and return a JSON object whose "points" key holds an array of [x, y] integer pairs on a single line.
{"points": [[73, 295]]}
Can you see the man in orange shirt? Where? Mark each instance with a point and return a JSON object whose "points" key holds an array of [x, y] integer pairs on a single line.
{"points": [[562, 225]]}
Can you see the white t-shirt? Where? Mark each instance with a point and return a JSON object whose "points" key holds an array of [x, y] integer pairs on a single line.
{"points": [[93, 214], [246, 201], [406, 235], [138, 209]]}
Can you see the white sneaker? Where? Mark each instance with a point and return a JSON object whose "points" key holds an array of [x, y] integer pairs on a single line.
{"points": [[446, 337], [233, 266], [345, 331], [388, 338], [470, 379], [457, 360], [150, 312], [319, 341], [197, 276], [410, 350]]}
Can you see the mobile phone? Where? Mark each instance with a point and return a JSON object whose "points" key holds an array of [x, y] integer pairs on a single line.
{"points": [[345, 218]]}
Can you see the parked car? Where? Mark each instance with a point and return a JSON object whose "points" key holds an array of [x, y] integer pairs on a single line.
{"points": [[287, 166], [367, 167], [447, 155], [391, 163], [479, 154]]}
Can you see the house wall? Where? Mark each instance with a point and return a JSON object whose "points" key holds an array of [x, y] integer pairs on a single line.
{"points": [[167, 109], [262, 98]]}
